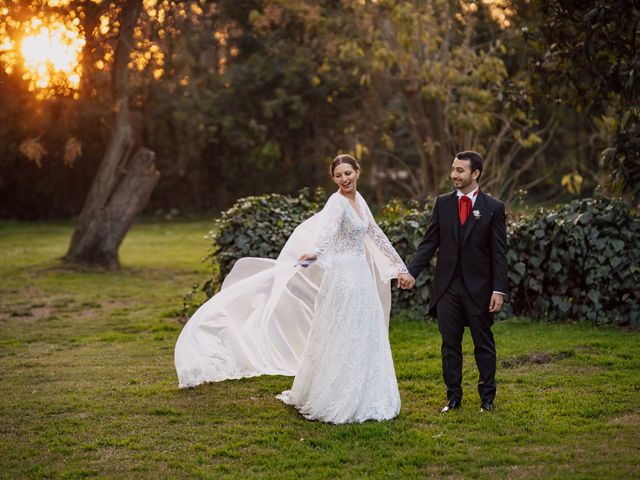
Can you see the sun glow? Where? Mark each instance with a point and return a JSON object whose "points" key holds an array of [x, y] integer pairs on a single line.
{"points": [[51, 57]]}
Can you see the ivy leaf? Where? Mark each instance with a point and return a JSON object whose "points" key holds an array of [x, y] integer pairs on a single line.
{"points": [[593, 295], [520, 268], [618, 245]]}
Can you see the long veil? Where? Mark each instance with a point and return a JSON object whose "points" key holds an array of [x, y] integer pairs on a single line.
{"points": [[259, 322]]}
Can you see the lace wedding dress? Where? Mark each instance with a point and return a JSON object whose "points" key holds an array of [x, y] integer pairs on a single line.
{"points": [[347, 373], [326, 324]]}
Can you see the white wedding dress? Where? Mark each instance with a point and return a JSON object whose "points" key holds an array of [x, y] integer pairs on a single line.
{"points": [[326, 324]]}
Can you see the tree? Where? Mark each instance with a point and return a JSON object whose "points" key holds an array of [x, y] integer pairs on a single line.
{"points": [[126, 176], [277, 111], [238, 97], [440, 68], [589, 57]]}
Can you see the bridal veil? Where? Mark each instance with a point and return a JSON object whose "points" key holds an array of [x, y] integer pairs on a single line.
{"points": [[259, 321]]}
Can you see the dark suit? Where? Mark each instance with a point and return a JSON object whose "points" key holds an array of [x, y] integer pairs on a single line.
{"points": [[471, 265]]}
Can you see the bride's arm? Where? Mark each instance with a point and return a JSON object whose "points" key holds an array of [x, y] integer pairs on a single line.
{"points": [[382, 242], [328, 230]]}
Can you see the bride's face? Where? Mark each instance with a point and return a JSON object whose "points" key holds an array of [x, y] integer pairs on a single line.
{"points": [[346, 177]]}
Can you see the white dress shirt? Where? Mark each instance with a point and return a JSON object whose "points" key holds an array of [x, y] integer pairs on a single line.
{"points": [[472, 195]]}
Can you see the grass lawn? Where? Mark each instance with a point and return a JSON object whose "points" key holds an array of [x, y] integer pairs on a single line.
{"points": [[88, 387]]}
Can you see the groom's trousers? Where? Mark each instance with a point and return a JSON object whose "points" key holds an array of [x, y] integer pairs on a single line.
{"points": [[455, 309]]}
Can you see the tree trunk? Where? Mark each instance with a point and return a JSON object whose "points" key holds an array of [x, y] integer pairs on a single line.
{"points": [[420, 129], [442, 155], [427, 122], [126, 176]]}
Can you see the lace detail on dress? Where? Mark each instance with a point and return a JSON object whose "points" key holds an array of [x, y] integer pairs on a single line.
{"points": [[381, 240], [219, 365], [338, 239], [329, 229]]}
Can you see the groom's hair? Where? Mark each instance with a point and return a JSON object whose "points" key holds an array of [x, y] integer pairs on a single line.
{"points": [[475, 159], [343, 158]]}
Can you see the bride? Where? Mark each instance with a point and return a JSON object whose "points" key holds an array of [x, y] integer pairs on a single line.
{"points": [[319, 312]]}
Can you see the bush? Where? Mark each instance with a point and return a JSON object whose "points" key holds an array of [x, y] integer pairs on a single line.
{"points": [[579, 262]]}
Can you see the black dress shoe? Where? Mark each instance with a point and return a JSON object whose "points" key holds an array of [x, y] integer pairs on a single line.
{"points": [[487, 406], [452, 405]]}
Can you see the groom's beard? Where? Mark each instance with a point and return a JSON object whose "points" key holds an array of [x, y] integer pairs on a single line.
{"points": [[463, 184]]}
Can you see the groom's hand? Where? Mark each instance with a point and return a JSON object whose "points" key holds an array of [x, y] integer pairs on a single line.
{"points": [[406, 281], [497, 300]]}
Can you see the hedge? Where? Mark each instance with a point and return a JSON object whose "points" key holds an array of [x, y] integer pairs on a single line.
{"points": [[578, 262]]}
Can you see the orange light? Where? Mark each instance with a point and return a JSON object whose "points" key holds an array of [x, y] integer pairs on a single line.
{"points": [[51, 54]]}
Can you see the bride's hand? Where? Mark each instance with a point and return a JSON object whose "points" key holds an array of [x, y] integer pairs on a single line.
{"points": [[308, 256], [406, 281]]}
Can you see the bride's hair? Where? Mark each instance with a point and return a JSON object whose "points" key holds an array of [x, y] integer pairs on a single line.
{"points": [[343, 158]]}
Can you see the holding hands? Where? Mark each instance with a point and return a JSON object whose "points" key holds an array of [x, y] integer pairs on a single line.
{"points": [[406, 281]]}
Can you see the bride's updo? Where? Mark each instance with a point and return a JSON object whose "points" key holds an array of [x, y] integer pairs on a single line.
{"points": [[343, 158]]}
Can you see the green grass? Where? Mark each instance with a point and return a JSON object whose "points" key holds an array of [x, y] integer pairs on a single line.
{"points": [[88, 387]]}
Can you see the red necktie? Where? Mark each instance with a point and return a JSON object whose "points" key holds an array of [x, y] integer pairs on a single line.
{"points": [[464, 209]]}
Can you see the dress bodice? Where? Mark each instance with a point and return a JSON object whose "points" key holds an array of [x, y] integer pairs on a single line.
{"points": [[343, 232], [351, 232]]}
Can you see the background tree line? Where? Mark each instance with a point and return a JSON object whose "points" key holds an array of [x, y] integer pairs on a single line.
{"points": [[251, 96]]}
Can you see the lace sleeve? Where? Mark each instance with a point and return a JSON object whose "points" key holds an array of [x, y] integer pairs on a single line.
{"points": [[328, 229], [382, 242]]}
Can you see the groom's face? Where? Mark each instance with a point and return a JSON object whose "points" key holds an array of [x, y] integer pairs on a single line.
{"points": [[461, 174]]}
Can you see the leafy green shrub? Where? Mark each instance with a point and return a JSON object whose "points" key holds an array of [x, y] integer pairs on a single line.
{"points": [[581, 261]]}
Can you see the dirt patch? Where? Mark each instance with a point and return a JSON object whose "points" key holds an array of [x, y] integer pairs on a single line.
{"points": [[30, 311], [627, 419], [535, 358], [39, 313], [517, 471], [23, 314]]}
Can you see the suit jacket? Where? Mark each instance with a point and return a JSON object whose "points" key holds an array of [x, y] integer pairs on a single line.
{"points": [[480, 246]]}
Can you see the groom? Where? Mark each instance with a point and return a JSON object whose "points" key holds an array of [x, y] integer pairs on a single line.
{"points": [[468, 231]]}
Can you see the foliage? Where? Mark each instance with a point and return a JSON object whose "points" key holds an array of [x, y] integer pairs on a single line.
{"points": [[258, 226], [232, 94], [283, 110], [581, 261], [588, 57], [89, 389], [449, 64], [578, 262], [71, 124]]}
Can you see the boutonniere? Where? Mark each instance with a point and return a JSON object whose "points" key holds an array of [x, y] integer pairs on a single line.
{"points": [[476, 214]]}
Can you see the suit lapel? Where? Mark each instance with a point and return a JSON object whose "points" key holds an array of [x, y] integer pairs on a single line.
{"points": [[480, 207], [452, 210]]}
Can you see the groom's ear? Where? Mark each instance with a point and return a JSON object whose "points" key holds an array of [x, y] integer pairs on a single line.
{"points": [[475, 174]]}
